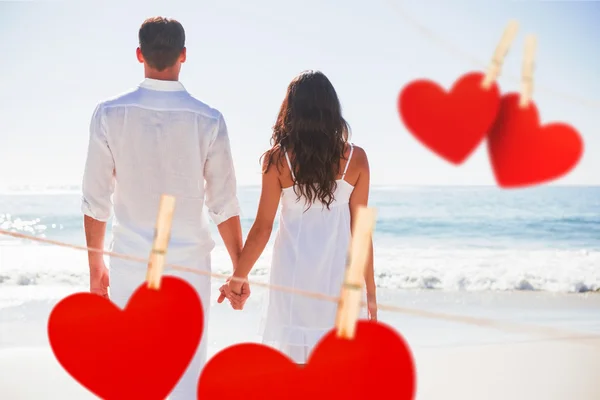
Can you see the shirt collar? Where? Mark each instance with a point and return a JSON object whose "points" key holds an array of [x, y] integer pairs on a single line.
{"points": [[163, 86]]}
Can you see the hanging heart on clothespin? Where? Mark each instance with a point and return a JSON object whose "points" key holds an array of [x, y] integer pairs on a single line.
{"points": [[523, 152], [353, 361], [139, 352], [453, 123]]}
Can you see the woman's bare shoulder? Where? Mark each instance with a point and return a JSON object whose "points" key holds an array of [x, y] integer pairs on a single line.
{"points": [[274, 156], [359, 156]]}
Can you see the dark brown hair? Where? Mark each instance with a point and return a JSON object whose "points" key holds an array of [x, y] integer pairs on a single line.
{"points": [[311, 127], [161, 41]]}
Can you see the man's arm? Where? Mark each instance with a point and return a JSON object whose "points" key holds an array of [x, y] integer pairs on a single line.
{"points": [[94, 237], [231, 233], [221, 192], [97, 187]]}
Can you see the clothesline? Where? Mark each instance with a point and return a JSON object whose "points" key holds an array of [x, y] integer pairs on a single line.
{"points": [[547, 333], [460, 53]]}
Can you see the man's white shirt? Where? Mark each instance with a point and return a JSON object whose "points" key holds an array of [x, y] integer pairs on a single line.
{"points": [[158, 139]]}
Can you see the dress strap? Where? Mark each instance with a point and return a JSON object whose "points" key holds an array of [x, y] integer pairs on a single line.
{"points": [[347, 162], [289, 164]]}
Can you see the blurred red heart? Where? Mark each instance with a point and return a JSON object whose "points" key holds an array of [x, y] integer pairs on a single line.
{"points": [[377, 363], [451, 124], [523, 153], [140, 352]]}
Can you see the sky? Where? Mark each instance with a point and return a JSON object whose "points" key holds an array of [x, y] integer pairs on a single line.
{"points": [[59, 59]]}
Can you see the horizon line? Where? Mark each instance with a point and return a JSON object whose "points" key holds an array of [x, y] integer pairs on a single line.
{"points": [[77, 187]]}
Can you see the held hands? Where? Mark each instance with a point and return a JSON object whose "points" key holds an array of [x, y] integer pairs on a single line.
{"points": [[236, 292]]}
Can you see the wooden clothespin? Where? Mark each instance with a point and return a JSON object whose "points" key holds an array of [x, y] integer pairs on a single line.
{"points": [[527, 72], [501, 51], [162, 234], [351, 295]]}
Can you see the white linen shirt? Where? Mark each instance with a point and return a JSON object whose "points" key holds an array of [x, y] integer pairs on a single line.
{"points": [[152, 140]]}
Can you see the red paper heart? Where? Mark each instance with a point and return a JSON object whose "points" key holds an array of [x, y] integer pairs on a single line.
{"points": [[451, 124], [523, 153], [140, 352], [377, 363]]}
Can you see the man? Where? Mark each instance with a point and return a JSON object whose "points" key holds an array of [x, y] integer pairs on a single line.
{"points": [[158, 139]]}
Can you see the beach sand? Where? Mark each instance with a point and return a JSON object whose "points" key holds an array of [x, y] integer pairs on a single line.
{"points": [[454, 360]]}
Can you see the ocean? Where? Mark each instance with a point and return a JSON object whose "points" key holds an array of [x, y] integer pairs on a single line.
{"points": [[428, 238], [526, 258]]}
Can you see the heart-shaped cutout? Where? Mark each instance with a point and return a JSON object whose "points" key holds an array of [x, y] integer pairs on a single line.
{"points": [[524, 153], [451, 124], [374, 364], [140, 352]]}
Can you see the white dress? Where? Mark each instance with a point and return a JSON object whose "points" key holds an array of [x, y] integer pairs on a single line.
{"points": [[310, 254]]}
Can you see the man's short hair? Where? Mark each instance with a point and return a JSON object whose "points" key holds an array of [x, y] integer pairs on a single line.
{"points": [[161, 41]]}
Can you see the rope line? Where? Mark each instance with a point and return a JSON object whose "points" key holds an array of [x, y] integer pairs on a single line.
{"points": [[548, 333], [458, 52]]}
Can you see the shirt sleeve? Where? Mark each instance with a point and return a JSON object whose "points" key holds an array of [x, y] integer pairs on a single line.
{"points": [[99, 173], [219, 175]]}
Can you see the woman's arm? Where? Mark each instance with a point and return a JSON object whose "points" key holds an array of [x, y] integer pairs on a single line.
{"points": [[259, 234], [360, 198]]}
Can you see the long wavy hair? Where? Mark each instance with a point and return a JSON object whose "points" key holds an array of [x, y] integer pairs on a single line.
{"points": [[310, 126]]}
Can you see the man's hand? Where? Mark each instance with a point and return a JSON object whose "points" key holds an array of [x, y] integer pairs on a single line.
{"points": [[99, 280], [236, 292]]}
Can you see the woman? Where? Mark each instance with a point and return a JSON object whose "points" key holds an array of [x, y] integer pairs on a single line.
{"points": [[321, 180]]}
